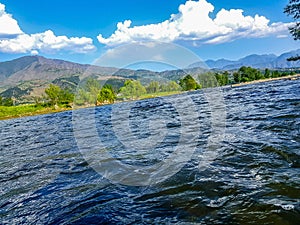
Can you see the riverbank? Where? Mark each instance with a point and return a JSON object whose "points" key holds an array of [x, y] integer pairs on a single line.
{"points": [[10, 112], [289, 77]]}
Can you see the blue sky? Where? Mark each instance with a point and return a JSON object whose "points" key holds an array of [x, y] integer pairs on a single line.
{"points": [[81, 31]]}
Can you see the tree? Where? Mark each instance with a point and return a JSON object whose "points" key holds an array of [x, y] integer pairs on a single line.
{"points": [[293, 9], [153, 87], [267, 73], [275, 74], [132, 89], [92, 86], [106, 94], [208, 80], [58, 96], [170, 86], [88, 92], [83, 97], [53, 93], [6, 101], [222, 79], [173, 86], [66, 97], [237, 77], [188, 83]]}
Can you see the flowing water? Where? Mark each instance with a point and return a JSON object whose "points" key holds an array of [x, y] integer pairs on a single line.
{"points": [[250, 174]]}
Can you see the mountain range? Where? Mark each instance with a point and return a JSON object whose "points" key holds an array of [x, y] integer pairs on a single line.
{"points": [[270, 61]]}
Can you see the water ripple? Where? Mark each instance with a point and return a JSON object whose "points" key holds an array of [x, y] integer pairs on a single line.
{"points": [[254, 178]]}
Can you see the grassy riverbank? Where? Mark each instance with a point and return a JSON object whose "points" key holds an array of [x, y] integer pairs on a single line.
{"points": [[9, 112]]}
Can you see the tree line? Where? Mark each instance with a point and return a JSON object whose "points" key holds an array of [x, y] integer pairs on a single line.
{"points": [[91, 92], [244, 74]]}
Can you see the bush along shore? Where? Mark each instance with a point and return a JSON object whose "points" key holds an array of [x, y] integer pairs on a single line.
{"points": [[91, 93]]}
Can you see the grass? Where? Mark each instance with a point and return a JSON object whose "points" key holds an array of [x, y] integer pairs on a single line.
{"points": [[159, 94], [8, 112]]}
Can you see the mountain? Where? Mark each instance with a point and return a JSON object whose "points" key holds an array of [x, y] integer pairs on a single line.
{"points": [[29, 68], [270, 61], [38, 69], [27, 77]]}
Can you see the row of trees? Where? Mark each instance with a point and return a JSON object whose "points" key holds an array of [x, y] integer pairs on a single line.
{"points": [[58, 96], [91, 91], [245, 74]]}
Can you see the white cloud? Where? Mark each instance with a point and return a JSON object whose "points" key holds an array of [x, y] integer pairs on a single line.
{"points": [[46, 42], [193, 23], [8, 25], [13, 40], [34, 52]]}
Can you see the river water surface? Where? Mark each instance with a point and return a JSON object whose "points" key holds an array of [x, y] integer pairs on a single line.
{"points": [[252, 175]]}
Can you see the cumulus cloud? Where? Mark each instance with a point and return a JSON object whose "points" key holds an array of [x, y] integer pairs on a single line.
{"points": [[8, 25], [46, 42], [13, 40], [193, 23]]}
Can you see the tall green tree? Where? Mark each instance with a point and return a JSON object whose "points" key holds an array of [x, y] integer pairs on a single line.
{"points": [[132, 89], [53, 93], [293, 9], [170, 86], [222, 78], [237, 77], [88, 92], [106, 94], [267, 73], [208, 80], [188, 83], [58, 96], [153, 87]]}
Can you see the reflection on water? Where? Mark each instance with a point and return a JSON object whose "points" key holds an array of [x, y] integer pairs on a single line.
{"points": [[254, 178]]}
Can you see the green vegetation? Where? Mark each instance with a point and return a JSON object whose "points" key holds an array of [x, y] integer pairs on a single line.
{"points": [[293, 9], [244, 74], [188, 83], [106, 95], [57, 96], [247, 74], [26, 110], [90, 91], [6, 101], [153, 87], [132, 89]]}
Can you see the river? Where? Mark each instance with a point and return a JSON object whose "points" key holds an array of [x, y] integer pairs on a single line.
{"points": [[243, 170]]}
